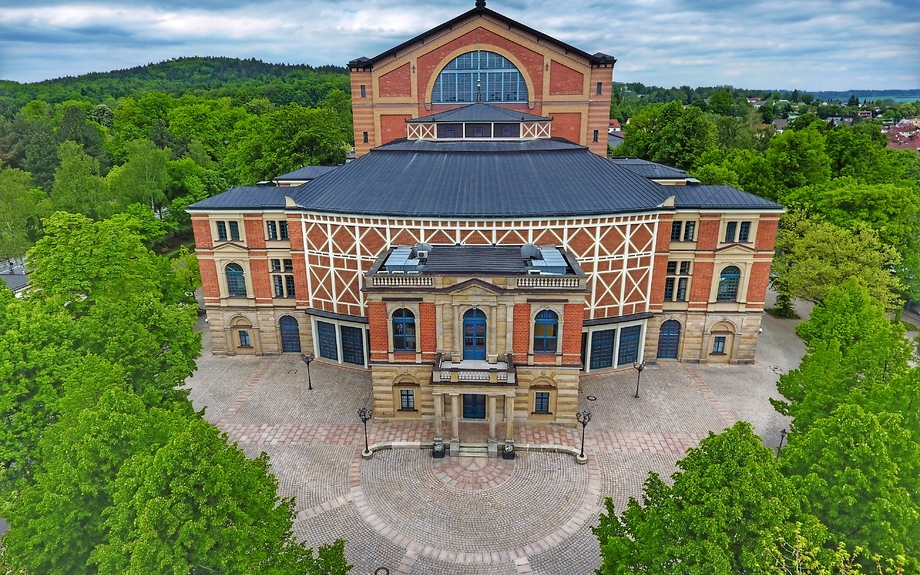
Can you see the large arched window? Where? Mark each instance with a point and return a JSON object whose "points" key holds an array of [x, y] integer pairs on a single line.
{"points": [[728, 284], [479, 77], [236, 281], [545, 330], [403, 330]]}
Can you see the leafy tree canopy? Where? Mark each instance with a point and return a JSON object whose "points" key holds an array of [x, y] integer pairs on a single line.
{"points": [[669, 134]]}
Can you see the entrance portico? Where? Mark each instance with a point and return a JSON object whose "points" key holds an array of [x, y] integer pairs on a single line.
{"points": [[452, 398]]}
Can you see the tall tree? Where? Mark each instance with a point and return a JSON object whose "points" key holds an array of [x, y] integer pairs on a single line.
{"points": [[798, 158], [669, 134], [78, 187], [143, 177], [21, 208]]}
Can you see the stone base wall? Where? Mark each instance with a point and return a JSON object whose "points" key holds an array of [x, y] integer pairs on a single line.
{"points": [[262, 325], [698, 330]]}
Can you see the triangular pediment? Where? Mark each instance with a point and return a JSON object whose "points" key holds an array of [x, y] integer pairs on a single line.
{"points": [[474, 287], [229, 248], [739, 249]]}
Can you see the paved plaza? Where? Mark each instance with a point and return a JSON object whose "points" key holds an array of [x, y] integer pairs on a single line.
{"points": [[411, 514]]}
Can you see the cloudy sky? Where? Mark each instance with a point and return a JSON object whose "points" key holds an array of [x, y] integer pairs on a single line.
{"points": [[805, 44]]}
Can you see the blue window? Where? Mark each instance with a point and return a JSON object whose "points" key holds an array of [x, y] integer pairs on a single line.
{"points": [[541, 402], [629, 345], [479, 76], [403, 330], [602, 348], [352, 345], [328, 346], [222, 231], [730, 231], [718, 344], [668, 289], [688, 231], [244, 338], [407, 399], [545, 332], [283, 228], [236, 281], [744, 231], [235, 231], [728, 284], [272, 230], [681, 289], [675, 231]]}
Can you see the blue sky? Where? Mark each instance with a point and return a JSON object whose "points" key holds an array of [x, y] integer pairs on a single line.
{"points": [[806, 44]]}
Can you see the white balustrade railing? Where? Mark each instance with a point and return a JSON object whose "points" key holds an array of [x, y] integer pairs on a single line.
{"points": [[550, 282], [400, 280]]}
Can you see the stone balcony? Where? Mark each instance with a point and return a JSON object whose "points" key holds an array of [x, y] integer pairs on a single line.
{"points": [[474, 372]]}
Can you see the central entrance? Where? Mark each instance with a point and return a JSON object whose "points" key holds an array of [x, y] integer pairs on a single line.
{"points": [[474, 406], [474, 335]]}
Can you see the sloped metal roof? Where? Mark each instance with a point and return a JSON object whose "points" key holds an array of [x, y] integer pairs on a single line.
{"points": [[306, 173], [254, 197], [650, 170], [719, 197], [479, 112], [480, 179]]}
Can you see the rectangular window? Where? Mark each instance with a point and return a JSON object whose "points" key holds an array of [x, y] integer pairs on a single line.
{"points": [[541, 402], [288, 265], [279, 286], [684, 268], [272, 231], [718, 344], [244, 338], [602, 348], [222, 231], [289, 285], [235, 231], [744, 231], [688, 231], [596, 134], [730, 231], [352, 345], [600, 88], [365, 137], [283, 228], [672, 268], [407, 399], [668, 289], [275, 265], [675, 231], [682, 289], [629, 345], [328, 346], [364, 91]]}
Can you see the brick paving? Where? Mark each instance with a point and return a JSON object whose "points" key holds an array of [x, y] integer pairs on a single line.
{"points": [[413, 514]]}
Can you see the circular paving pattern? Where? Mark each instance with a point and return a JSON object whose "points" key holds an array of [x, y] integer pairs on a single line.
{"points": [[419, 499], [473, 473]]}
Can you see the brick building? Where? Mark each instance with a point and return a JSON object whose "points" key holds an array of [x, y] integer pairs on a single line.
{"points": [[482, 251]]}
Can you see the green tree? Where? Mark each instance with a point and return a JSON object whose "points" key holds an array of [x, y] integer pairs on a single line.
{"points": [[858, 472], [144, 177], [798, 158], [669, 134], [78, 187], [723, 514], [721, 103], [41, 157], [814, 256], [284, 140], [21, 208]]}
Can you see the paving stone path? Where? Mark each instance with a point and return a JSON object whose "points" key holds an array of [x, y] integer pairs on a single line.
{"points": [[412, 514]]}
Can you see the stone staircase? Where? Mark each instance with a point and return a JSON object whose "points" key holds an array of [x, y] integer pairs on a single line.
{"points": [[474, 450]]}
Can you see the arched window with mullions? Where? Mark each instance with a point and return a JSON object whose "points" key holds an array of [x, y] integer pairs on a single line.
{"points": [[728, 284], [479, 76], [236, 280], [403, 330], [545, 332]]}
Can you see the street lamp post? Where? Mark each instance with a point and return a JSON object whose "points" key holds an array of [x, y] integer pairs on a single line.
{"points": [[583, 417], [307, 359], [365, 414], [638, 367], [782, 437]]}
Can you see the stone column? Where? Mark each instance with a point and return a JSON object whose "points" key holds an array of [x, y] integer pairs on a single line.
{"points": [[509, 418], [492, 417], [438, 415], [455, 424]]}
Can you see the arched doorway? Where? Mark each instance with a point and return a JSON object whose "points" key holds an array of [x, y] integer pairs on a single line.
{"points": [[290, 335], [474, 335], [669, 340]]}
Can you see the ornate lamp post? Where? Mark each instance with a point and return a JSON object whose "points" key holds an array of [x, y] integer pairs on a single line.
{"points": [[307, 359], [583, 417], [638, 367], [365, 414], [782, 437]]}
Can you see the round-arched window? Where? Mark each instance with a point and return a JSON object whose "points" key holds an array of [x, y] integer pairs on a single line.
{"points": [[479, 76], [728, 284], [236, 281], [545, 332]]}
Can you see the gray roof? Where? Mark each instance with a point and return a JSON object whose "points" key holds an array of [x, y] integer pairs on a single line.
{"points": [[718, 197], [483, 179], [254, 197], [478, 259], [15, 281], [615, 139], [480, 112], [480, 179], [650, 170], [306, 173]]}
